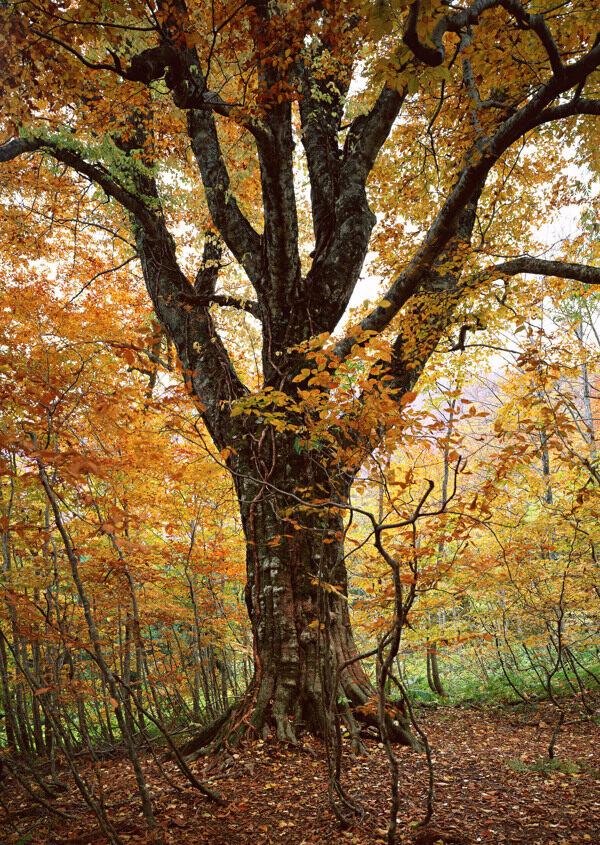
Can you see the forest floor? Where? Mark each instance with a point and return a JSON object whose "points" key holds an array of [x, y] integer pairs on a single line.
{"points": [[279, 795]]}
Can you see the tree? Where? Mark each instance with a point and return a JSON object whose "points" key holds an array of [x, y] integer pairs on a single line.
{"points": [[170, 110]]}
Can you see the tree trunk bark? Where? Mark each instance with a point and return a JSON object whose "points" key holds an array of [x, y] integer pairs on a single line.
{"points": [[297, 598]]}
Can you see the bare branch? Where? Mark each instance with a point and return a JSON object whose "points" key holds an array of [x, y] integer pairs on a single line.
{"points": [[102, 273]]}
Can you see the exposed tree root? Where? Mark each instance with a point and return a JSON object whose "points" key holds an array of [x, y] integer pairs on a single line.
{"points": [[193, 749], [251, 719]]}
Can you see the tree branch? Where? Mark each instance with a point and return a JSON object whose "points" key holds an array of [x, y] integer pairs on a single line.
{"points": [[338, 264], [163, 59], [576, 106], [539, 266], [435, 56], [321, 122], [234, 228], [448, 23], [224, 300], [206, 278], [538, 25], [432, 56], [96, 173], [18, 146], [280, 239], [369, 132], [471, 181]]}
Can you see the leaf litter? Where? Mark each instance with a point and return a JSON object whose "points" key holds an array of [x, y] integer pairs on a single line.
{"points": [[493, 785]]}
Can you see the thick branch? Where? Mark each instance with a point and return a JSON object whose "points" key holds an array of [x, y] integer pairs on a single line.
{"points": [[442, 284], [205, 283], [539, 266], [207, 368], [18, 146], [449, 23], [538, 25], [282, 258], [337, 266], [206, 365], [236, 231], [182, 74], [576, 106], [321, 122], [435, 56], [369, 132]]}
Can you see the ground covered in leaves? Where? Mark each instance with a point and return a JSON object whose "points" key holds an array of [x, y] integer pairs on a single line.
{"points": [[492, 786]]}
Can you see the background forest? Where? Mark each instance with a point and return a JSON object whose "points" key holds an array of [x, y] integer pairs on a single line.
{"points": [[411, 465]]}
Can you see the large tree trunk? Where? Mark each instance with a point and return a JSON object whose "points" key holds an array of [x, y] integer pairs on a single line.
{"points": [[305, 656]]}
